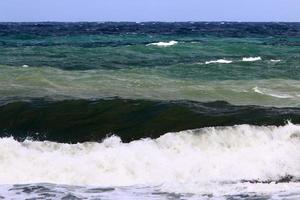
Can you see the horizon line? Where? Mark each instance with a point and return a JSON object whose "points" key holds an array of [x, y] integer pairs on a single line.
{"points": [[125, 21]]}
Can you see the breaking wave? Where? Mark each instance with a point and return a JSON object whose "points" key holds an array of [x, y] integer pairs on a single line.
{"points": [[164, 44], [281, 96], [251, 59], [223, 61], [73, 121], [178, 161]]}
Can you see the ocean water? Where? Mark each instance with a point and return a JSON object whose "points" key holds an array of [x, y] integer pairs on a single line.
{"points": [[193, 110]]}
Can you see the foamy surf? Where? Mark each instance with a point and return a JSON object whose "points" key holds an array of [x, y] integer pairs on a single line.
{"points": [[289, 191], [163, 44], [194, 164], [251, 59], [192, 161]]}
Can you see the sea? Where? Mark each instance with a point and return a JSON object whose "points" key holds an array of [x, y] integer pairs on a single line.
{"points": [[150, 110]]}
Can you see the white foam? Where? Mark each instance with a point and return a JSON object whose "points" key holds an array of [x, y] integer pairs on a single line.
{"points": [[281, 96], [164, 44], [275, 60], [221, 192], [188, 161], [223, 61], [25, 66], [255, 89], [251, 59]]}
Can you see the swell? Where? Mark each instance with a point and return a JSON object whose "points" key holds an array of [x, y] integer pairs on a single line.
{"points": [[73, 121]]}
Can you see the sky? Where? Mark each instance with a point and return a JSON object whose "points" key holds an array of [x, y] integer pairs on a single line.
{"points": [[149, 10]]}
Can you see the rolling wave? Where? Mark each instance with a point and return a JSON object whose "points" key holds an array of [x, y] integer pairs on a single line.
{"points": [[157, 84], [191, 161], [72, 121]]}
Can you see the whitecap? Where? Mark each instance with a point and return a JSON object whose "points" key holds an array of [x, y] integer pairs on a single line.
{"points": [[275, 60], [251, 59], [223, 61], [255, 89], [281, 96], [163, 44]]}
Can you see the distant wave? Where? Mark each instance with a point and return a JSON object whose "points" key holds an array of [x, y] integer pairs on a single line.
{"points": [[275, 60], [281, 96], [164, 44], [251, 59], [245, 59], [223, 61], [255, 89]]}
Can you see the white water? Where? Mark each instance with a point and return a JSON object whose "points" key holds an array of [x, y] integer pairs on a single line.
{"points": [[280, 96], [164, 44], [193, 161], [223, 61], [251, 59], [275, 60]]}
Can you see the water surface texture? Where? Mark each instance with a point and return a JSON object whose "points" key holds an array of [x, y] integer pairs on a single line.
{"points": [[194, 110]]}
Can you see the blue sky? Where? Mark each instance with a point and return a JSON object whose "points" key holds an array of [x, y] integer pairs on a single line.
{"points": [[150, 10]]}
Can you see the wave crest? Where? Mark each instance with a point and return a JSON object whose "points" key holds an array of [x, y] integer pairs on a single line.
{"points": [[163, 44], [201, 156], [251, 59], [280, 96], [223, 61]]}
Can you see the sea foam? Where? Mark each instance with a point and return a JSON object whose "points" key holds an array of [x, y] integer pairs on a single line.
{"points": [[187, 161], [272, 94], [275, 60], [223, 61], [163, 44], [251, 59]]}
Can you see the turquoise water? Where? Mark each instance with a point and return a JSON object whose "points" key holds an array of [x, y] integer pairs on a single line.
{"points": [[125, 65], [193, 110]]}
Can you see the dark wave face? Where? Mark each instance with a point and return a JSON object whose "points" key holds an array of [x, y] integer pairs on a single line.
{"points": [[73, 121]]}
